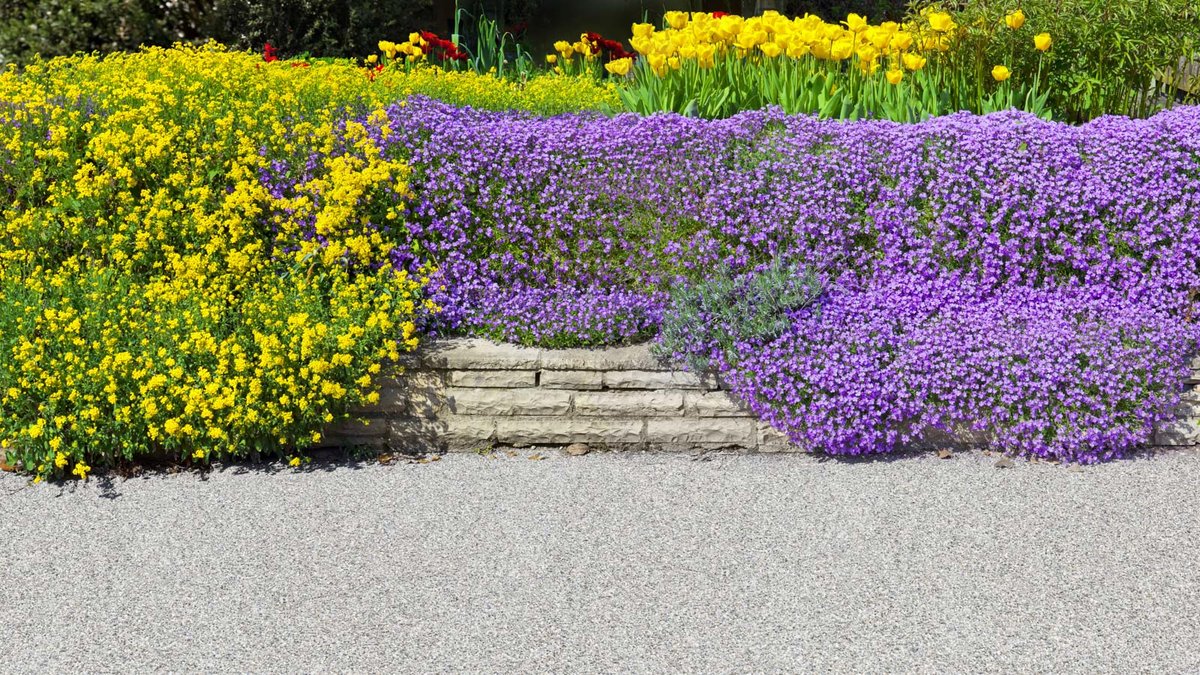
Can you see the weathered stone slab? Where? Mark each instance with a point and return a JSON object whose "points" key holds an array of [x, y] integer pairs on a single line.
{"points": [[1178, 432], [714, 404], [649, 379], [355, 432], [571, 379], [629, 403], [510, 379], [532, 401], [477, 354], [637, 357], [416, 392], [448, 431], [566, 430], [714, 431], [767, 435]]}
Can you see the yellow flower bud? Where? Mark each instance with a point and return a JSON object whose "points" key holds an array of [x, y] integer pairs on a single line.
{"points": [[619, 67], [1042, 41], [913, 61], [1001, 73], [1015, 20], [941, 22]]}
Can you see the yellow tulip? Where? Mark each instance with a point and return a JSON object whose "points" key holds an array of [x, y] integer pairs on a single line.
{"points": [[658, 63], [562, 46], [941, 22], [673, 62], [895, 75], [1015, 20], [1001, 73], [901, 41], [856, 23], [1042, 41], [770, 49], [676, 20], [913, 61], [551, 58], [643, 30], [841, 50], [798, 50], [619, 67]]}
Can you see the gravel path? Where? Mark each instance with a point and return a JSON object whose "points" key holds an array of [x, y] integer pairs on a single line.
{"points": [[635, 562]]}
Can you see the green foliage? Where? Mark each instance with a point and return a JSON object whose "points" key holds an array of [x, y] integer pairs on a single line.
{"points": [[711, 316], [1108, 56], [333, 28], [63, 27], [805, 86], [330, 28]]}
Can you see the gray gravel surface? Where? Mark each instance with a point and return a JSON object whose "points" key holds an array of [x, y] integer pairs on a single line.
{"points": [[619, 563]]}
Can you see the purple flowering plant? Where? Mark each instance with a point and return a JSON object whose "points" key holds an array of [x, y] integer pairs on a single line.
{"points": [[1028, 281]]}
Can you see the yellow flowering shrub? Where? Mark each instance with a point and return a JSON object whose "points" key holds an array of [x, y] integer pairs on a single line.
{"points": [[544, 94], [157, 298]]}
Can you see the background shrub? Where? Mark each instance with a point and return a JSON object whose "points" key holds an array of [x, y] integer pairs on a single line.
{"points": [[1108, 56]]}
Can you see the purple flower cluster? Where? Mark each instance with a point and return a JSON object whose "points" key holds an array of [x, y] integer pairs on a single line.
{"points": [[1029, 280], [1079, 372]]}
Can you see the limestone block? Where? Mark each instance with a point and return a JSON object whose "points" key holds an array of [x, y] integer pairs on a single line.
{"points": [[477, 354], [707, 431], [509, 379], [637, 357], [771, 439], [447, 432], [714, 404], [630, 403], [571, 379], [566, 430], [1178, 432], [355, 432], [650, 379], [416, 392], [528, 401]]}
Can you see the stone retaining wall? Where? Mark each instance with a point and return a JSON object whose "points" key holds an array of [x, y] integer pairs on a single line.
{"points": [[471, 394]]}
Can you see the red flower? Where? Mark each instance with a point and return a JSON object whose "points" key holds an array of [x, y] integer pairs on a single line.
{"points": [[441, 49], [611, 49], [717, 15], [269, 53]]}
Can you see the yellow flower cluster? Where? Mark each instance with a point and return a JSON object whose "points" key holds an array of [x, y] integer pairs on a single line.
{"points": [[703, 37], [413, 49], [544, 94], [158, 298]]}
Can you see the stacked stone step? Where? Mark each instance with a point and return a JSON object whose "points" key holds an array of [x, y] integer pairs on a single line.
{"points": [[1184, 428], [471, 394]]}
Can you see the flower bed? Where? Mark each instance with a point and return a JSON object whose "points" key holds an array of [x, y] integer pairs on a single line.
{"points": [[1001, 273], [215, 262]]}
